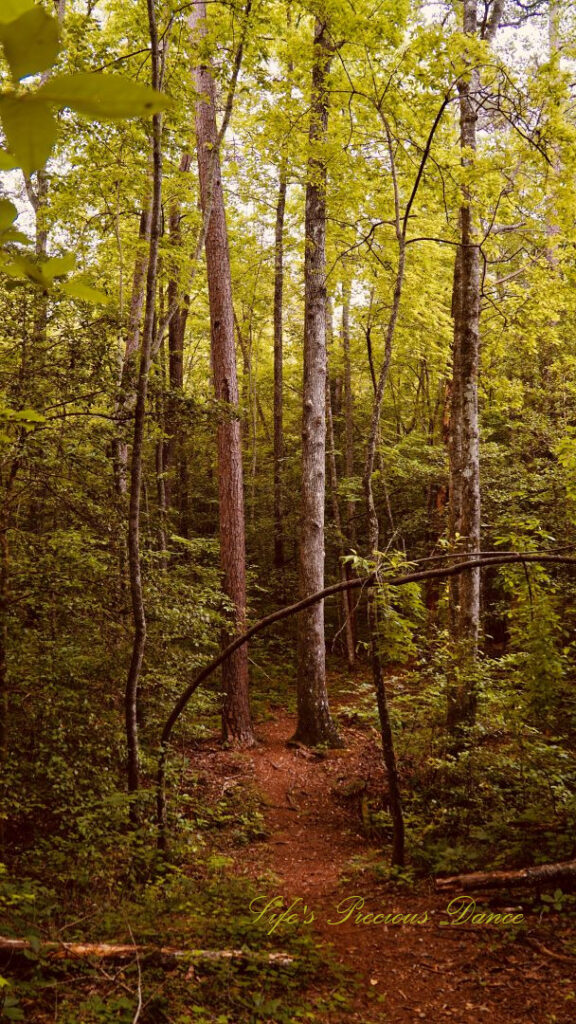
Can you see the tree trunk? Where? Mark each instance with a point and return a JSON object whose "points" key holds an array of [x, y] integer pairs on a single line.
{"points": [[348, 415], [58, 951], [127, 386], [315, 724], [464, 451], [138, 610], [333, 476], [507, 558], [174, 462], [236, 718], [374, 530], [534, 877], [278, 373]]}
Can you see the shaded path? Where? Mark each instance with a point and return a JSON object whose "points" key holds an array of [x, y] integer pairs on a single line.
{"points": [[409, 972]]}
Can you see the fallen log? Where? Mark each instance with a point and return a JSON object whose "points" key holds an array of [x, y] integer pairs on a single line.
{"points": [[106, 951], [540, 875]]}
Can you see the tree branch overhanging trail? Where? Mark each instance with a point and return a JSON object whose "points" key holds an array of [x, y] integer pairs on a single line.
{"points": [[358, 583]]}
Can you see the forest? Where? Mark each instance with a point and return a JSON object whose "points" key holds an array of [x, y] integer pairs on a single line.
{"points": [[287, 511]]}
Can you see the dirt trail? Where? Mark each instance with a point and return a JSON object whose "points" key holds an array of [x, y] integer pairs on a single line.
{"points": [[409, 972]]}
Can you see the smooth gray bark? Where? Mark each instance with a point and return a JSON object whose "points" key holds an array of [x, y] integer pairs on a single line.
{"points": [[315, 723]]}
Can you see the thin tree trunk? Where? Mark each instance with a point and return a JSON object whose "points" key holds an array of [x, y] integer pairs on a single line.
{"points": [[5, 522], [348, 415], [161, 490], [464, 448], [315, 723], [333, 476], [176, 334], [374, 531], [138, 610], [127, 387], [252, 398], [236, 719], [278, 373]]}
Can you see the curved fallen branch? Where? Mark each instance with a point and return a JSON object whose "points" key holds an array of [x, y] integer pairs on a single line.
{"points": [[358, 583]]}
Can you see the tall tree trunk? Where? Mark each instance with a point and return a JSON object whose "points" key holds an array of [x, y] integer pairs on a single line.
{"points": [[278, 373], [315, 723], [176, 333], [346, 597], [464, 451], [236, 719], [127, 387], [464, 446], [348, 414], [135, 569], [374, 529]]}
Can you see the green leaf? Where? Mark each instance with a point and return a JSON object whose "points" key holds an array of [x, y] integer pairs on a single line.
{"points": [[14, 236], [10, 10], [22, 269], [78, 290], [7, 161], [8, 214], [31, 43], [58, 266], [30, 130], [31, 416], [109, 97]]}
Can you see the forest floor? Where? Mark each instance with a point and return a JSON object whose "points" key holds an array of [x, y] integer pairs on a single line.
{"points": [[319, 852]]}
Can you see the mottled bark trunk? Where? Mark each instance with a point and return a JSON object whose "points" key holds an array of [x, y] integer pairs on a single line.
{"points": [[135, 569], [315, 723], [278, 374], [464, 448], [236, 719]]}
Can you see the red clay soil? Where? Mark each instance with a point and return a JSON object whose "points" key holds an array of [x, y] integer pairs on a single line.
{"points": [[408, 972]]}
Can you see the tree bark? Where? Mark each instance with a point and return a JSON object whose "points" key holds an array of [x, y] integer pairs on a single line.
{"points": [[135, 570], [315, 723], [333, 476], [236, 718], [464, 446], [540, 875], [175, 469], [278, 373], [388, 750], [348, 414], [116, 951], [127, 385]]}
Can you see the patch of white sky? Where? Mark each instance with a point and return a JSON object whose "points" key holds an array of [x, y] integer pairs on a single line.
{"points": [[12, 184]]}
